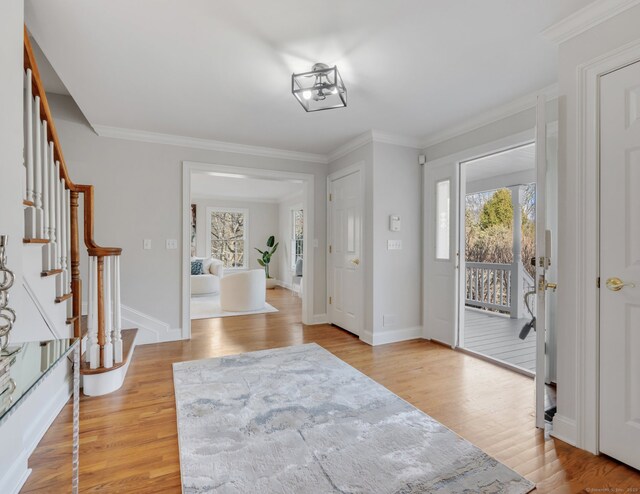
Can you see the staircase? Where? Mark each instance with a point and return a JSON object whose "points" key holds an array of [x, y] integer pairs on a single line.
{"points": [[52, 274]]}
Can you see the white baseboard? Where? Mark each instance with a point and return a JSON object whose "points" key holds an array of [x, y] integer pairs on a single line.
{"points": [[319, 319], [150, 329], [384, 336], [565, 429]]}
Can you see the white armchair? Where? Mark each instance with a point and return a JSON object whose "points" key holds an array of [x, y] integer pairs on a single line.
{"points": [[244, 291], [209, 281]]}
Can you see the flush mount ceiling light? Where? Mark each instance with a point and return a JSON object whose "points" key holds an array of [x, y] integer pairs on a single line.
{"points": [[320, 89]]}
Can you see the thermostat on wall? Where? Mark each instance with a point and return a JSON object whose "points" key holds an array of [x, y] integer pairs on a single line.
{"points": [[394, 223]]}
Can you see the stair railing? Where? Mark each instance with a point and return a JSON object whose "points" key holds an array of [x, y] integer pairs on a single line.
{"points": [[51, 203]]}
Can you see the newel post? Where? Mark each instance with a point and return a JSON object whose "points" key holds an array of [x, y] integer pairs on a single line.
{"points": [[76, 282]]}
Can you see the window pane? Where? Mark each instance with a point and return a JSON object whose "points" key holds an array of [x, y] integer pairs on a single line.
{"points": [[443, 193], [227, 238]]}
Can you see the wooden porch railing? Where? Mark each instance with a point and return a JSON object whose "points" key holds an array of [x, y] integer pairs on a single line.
{"points": [[52, 202]]}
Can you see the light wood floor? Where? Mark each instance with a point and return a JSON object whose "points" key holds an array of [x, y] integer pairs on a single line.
{"points": [[498, 336], [129, 441]]}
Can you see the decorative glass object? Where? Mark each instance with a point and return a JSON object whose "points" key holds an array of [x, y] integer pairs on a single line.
{"points": [[7, 314], [320, 89]]}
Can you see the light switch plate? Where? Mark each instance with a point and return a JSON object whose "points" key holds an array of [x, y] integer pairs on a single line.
{"points": [[172, 244], [394, 244], [146, 244]]}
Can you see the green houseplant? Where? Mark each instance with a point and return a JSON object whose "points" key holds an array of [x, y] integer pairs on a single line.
{"points": [[265, 260]]}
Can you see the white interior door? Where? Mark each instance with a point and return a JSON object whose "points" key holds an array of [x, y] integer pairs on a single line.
{"points": [[620, 264], [345, 266], [441, 292]]}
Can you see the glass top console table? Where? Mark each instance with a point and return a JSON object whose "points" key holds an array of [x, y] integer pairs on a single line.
{"points": [[26, 367]]}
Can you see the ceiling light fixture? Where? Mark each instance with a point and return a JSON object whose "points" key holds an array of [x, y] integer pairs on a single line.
{"points": [[320, 89]]}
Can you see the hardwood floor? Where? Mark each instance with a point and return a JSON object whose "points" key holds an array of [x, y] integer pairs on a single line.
{"points": [[129, 440]]}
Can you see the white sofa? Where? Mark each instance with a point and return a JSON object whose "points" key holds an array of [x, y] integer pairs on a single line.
{"points": [[243, 291], [209, 282]]}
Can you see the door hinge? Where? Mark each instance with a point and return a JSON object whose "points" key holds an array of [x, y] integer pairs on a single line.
{"points": [[330, 300], [598, 281], [330, 249], [330, 197]]}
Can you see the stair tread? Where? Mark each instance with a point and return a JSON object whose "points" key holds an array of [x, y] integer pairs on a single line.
{"points": [[35, 240], [64, 297], [28, 203], [128, 336], [51, 272]]}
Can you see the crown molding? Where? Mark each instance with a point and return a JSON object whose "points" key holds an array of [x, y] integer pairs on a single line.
{"points": [[498, 113], [198, 143], [240, 200], [586, 18], [373, 136], [349, 146]]}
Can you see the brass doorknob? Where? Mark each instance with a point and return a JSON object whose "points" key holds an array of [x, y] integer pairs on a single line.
{"points": [[355, 261], [616, 284]]}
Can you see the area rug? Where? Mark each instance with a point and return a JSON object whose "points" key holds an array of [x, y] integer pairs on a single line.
{"points": [[299, 420], [207, 306]]}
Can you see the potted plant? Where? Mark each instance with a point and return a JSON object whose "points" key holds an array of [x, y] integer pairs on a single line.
{"points": [[264, 261]]}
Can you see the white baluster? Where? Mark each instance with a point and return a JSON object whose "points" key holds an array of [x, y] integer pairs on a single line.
{"points": [[37, 181], [108, 315], [58, 223], [117, 314], [44, 172], [54, 212], [67, 251], [94, 348], [60, 206], [28, 133]]}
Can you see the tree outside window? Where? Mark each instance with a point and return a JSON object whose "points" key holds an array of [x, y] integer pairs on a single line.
{"points": [[228, 236]]}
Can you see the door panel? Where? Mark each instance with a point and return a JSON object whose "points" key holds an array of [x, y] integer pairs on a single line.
{"points": [[620, 263], [440, 241], [345, 266]]}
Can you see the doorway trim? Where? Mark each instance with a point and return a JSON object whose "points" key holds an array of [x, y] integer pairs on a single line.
{"points": [[308, 181], [358, 167], [586, 175], [477, 152]]}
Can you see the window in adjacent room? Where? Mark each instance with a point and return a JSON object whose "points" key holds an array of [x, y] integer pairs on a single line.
{"points": [[228, 228], [297, 236]]}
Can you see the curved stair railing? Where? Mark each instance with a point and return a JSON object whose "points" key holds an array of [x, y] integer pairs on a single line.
{"points": [[51, 203]]}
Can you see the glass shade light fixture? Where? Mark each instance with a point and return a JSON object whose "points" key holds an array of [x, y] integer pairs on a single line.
{"points": [[320, 89]]}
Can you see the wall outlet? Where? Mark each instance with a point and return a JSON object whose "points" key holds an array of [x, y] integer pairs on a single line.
{"points": [[389, 320], [394, 244], [172, 244], [146, 244]]}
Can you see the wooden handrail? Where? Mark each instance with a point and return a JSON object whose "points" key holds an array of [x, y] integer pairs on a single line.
{"points": [[45, 112], [93, 248]]}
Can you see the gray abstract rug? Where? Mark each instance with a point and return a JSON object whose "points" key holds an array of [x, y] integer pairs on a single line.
{"points": [[299, 420]]}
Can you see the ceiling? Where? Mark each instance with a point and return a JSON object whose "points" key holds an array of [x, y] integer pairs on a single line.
{"points": [[221, 70], [513, 161], [219, 186]]}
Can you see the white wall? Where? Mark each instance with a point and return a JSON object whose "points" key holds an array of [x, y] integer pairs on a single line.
{"points": [[285, 273], [593, 43], [263, 222], [397, 277], [11, 137], [139, 195]]}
